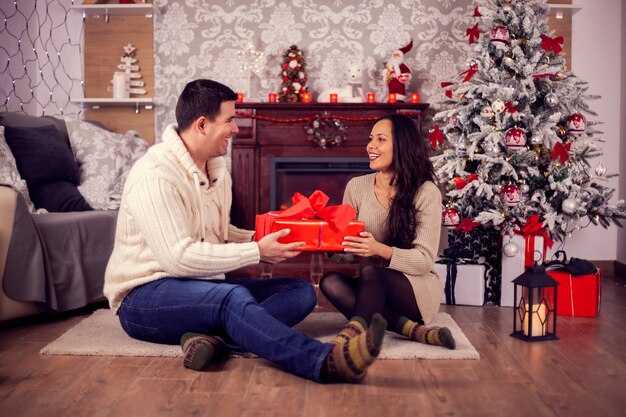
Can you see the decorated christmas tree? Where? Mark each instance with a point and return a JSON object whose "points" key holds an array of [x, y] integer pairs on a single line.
{"points": [[515, 145], [294, 76]]}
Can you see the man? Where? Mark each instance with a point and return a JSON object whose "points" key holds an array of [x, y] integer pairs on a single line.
{"points": [[174, 242]]}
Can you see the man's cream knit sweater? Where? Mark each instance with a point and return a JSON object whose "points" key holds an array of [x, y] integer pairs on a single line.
{"points": [[416, 263], [174, 221]]}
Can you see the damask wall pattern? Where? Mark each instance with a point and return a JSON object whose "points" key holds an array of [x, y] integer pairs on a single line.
{"points": [[208, 39]]}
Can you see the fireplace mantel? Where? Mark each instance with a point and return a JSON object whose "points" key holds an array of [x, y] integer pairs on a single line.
{"points": [[263, 136]]}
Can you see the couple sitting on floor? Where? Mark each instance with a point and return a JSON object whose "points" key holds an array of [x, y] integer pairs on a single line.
{"points": [[174, 243]]}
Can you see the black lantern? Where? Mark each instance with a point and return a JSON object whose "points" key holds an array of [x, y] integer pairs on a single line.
{"points": [[534, 314]]}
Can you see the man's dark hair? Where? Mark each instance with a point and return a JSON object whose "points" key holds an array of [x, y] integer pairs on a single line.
{"points": [[201, 98]]}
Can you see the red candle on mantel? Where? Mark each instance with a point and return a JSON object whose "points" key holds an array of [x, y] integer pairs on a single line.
{"points": [[391, 98], [333, 98], [306, 97], [272, 98], [371, 98], [415, 98], [240, 97]]}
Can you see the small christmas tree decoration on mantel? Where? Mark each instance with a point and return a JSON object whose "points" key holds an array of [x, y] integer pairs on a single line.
{"points": [[294, 77], [514, 121], [131, 71]]}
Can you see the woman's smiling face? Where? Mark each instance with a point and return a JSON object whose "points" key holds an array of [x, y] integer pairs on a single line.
{"points": [[380, 146]]}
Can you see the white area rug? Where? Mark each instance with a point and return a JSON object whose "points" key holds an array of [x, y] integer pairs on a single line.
{"points": [[101, 335]]}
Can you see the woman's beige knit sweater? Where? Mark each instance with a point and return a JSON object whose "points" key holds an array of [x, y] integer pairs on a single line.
{"points": [[416, 263]]}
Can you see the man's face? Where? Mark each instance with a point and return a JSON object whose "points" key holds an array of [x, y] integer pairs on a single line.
{"points": [[218, 133]]}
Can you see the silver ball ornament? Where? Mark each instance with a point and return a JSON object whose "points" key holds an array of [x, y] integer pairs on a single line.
{"points": [[524, 188], [551, 100], [601, 169], [510, 249], [569, 205]]}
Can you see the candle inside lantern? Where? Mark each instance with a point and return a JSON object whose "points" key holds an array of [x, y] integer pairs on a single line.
{"points": [[333, 97], [272, 98], [415, 98], [240, 97], [391, 98], [306, 97], [371, 98], [537, 319]]}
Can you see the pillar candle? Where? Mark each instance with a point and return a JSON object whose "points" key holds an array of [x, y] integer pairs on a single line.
{"points": [[272, 98], [538, 316], [333, 97], [391, 98], [415, 98], [306, 97], [371, 98], [240, 97]]}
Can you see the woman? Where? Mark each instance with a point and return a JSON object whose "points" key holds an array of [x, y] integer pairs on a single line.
{"points": [[401, 208]]}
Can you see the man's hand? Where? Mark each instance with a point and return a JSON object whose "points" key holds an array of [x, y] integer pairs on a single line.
{"points": [[273, 251]]}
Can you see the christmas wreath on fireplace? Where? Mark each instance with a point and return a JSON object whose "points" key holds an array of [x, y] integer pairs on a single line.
{"points": [[326, 131]]}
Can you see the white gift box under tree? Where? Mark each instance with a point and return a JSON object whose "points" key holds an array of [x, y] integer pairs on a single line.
{"points": [[467, 288]]}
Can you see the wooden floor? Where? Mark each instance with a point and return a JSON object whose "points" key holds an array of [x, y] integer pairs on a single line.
{"points": [[582, 374]]}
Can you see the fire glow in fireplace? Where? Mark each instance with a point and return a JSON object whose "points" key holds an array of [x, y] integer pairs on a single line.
{"points": [[307, 174]]}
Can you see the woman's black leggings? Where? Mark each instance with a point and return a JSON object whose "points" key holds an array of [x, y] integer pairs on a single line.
{"points": [[376, 290]]}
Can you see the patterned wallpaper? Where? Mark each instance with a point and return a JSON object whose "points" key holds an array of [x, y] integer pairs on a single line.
{"points": [[204, 39]]}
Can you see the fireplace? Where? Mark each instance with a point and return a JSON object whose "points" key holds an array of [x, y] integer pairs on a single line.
{"points": [[307, 174]]}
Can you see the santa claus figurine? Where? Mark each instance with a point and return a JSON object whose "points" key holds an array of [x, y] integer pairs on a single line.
{"points": [[398, 74]]}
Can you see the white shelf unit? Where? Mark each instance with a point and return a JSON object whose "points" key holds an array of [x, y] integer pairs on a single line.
{"points": [[561, 10], [107, 10], [136, 102]]}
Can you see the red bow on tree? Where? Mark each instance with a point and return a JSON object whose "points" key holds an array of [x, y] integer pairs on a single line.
{"points": [[548, 43], [445, 84], [510, 108], [473, 33], [560, 151], [477, 13], [435, 137], [473, 69], [462, 182], [467, 225]]}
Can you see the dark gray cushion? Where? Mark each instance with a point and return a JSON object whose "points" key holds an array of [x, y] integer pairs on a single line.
{"points": [[41, 155], [61, 196], [13, 119]]}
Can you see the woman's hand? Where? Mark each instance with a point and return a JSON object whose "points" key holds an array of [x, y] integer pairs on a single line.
{"points": [[366, 245]]}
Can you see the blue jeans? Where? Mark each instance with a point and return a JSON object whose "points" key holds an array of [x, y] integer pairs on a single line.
{"points": [[255, 314]]}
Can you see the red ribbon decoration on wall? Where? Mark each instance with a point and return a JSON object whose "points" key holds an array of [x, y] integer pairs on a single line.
{"points": [[467, 225], [469, 73], [554, 44], [473, 33], [305, 119], [560, 151], [435, 137], [314, 207]]}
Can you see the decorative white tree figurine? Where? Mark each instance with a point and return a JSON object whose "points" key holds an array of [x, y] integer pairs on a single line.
{"points": [[513, 140], [131, 71]]}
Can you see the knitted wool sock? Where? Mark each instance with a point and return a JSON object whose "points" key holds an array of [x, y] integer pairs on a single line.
{"points": [[200, 350], [348, 361], [356, 326], [440, 336]]}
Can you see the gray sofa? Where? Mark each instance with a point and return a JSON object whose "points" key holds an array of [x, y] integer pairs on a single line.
{"points": [[54, 261]]}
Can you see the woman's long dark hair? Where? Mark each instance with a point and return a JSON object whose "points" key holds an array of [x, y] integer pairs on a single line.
{"points": [[410, 169]]}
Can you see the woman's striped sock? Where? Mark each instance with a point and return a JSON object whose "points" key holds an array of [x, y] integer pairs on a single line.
{"points": [[439, 336], [356, 326]]}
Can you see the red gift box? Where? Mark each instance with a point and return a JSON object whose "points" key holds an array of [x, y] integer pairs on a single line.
{"points": [[322, 227], [578, 295], [534, 232]]}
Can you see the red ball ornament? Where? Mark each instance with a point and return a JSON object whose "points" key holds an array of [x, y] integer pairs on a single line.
{"points": [[576, 123], [510, 195], [500, 34], [453, 120], [515, 138], [450, 217]]}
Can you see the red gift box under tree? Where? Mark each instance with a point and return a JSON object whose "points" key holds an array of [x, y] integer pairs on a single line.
{"points": [[322, 227], [578, 295]]}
